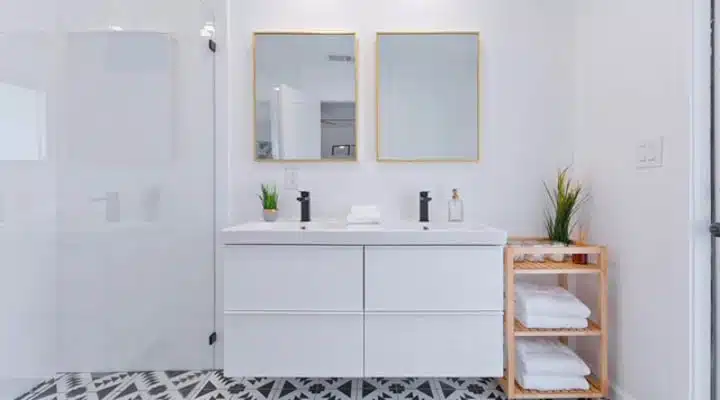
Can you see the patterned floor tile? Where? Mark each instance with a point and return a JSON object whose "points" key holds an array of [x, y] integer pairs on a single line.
{"points": [[397, 388], [232, 385], [316, 388], [45, 386], [55, 396], [68, 382], [158, 382], [262, 383], [468, 389], [213, 385], [46, 391], [130, 391], [170, 395], [105, 384], [63, 396], [213, 395], [252, 395]]}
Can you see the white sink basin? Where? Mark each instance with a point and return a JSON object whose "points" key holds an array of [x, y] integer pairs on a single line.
{"points": [[286, 226], [333, 232]]}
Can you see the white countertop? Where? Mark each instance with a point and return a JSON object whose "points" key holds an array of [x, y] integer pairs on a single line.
{"points": [[338, 233]]}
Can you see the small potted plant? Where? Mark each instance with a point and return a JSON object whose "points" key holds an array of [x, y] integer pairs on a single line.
{"points": [[269, 200], [566, 197]]}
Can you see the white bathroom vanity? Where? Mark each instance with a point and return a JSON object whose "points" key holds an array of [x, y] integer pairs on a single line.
{"points": [[320, 299]]}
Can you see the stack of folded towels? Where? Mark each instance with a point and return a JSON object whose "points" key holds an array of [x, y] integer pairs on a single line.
{"points": [[547, 364], [549, 307], [363, 216]]}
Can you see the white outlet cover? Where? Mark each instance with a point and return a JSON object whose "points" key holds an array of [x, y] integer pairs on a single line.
{"points": [[291, 179]]}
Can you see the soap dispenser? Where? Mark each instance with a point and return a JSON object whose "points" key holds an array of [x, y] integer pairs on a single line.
{"points": [[455, 207]]}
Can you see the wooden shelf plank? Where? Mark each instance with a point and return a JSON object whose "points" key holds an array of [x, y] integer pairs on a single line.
{"points": [[535, 245], [593, 329], [520, 393], [550, 267]]}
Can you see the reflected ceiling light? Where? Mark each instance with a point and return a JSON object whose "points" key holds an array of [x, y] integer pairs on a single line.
{"points": [[115, 28]]}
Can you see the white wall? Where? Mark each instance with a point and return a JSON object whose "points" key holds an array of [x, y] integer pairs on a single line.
{"points": [[635, 82], [527, 98]]}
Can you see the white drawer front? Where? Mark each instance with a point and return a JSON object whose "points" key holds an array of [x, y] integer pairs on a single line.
{"points": [[293, 278], [434, 345], [434, 278], [279, 345]]}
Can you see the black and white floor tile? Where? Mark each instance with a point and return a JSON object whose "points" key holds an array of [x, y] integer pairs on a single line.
{"points": [[213, 385]]}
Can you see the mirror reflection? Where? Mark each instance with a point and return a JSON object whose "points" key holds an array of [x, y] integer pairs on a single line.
{"points": [[305, 96], [427, 96]]}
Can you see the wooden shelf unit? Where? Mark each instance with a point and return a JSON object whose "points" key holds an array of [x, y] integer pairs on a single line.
{"points": [[593, 329], [595, 392], [597, 255]]}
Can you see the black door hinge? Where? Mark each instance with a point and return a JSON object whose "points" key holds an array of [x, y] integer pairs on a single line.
{"points": [[212, 338], [212, 45]]}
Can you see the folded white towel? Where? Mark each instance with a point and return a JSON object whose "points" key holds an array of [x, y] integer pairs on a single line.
{"points": [[549, 301], [539, 382], [550, 322], [364, 215], [364, 227], [364, 210], [542, 356], [363, 219]]}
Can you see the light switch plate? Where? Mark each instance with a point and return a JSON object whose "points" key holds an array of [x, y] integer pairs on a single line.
{"points": [[649, 153]]}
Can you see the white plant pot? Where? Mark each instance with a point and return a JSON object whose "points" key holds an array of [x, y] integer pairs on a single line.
{"points": [[538, 258], [270, 215], [557, 257]]}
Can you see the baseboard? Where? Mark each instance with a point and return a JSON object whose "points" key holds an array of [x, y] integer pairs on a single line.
{"points": [[619, 394]]}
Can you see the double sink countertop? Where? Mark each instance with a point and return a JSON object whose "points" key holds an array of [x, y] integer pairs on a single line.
{"points": [[332, 232]]}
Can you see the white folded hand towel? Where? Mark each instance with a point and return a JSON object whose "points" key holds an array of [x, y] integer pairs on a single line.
{"points": [[549, 322], [549, 301], [364, 215], [540, 382], [542, 356]]}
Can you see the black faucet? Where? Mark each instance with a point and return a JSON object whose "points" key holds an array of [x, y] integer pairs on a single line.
{"points": [[424, 206], [304, 200]]}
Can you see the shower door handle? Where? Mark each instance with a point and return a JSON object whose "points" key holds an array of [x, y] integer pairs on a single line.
{"points": [[112, 206], [715, 229]]}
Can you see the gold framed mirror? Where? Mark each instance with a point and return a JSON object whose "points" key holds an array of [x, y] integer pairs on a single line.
{"points": [[305, 96], [428, 96]]}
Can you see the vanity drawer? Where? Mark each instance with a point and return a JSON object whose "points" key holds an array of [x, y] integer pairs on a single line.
{"points": [[437, 344], [434, 278], [279, 345], [293, 278]]}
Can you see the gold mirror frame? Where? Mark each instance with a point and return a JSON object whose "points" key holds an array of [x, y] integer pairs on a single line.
{"points": [[377, 98], [356, 87]]}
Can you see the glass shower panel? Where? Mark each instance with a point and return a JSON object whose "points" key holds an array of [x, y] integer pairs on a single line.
{"points": [[28, 104], [136, 202]]}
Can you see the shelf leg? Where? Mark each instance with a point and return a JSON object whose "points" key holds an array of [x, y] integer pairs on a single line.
{"points": [[602, 307], [510, 320]]}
